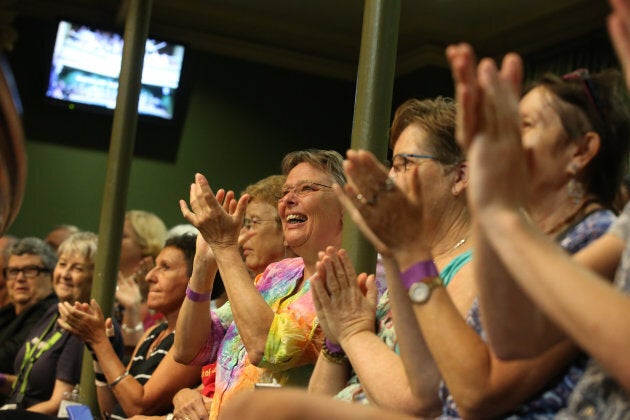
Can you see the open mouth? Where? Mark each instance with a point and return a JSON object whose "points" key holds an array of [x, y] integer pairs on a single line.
{"points": [[293, 219]]}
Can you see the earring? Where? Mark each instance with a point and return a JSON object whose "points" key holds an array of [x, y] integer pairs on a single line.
{"points": [[575, 187]]}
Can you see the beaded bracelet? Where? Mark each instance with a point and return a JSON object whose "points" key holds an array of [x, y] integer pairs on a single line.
{"points": [[335, 357], [197, 297], [117, 380], [332, 347]]}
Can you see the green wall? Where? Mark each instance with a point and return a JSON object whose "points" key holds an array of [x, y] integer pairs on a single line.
{"points": [[242, 118]]}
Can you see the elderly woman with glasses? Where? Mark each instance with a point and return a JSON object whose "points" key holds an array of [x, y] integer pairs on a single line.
{"points": [[28, 273], [49, 363], [572, 161], [360, 363], [261, 242], [268, 333], [574, 164]]}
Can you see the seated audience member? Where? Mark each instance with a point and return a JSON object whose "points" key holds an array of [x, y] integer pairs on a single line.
{"points": [[5, 243], [148, 384], [59, 234], [561, 298], [144, 234], [49, 363], [568, 199], [262, 242], [477, 382], [182, 229], [423, 136], [29, 282], [268, 331]]}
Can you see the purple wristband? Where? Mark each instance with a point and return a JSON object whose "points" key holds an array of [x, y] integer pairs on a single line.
{"points": [[332, 347], [197, 297], [418, 272]]}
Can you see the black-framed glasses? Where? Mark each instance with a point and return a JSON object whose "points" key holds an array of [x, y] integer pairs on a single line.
{"points": [[584, 77], [254, 222], [401, 162], [301, 189], [30, 271]]}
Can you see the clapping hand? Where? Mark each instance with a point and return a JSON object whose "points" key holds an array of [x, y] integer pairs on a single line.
{"points": [[389, 214], [85, 321], [489, 128], [343, 308], [218, 218]]}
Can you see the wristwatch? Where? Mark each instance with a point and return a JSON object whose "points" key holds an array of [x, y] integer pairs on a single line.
{"points": [[421, 291], [420, 279]]}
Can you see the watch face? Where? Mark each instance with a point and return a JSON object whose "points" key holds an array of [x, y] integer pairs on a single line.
{"points": [[419, 292]]}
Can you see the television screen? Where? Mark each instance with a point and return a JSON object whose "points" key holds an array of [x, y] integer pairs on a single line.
{"points": [[86, 65]]}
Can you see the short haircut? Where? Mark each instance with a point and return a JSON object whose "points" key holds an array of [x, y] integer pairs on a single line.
{"points": [[35, 246], [328, 161], [150, 230], [267, 190], [187, 244], [437, 119], [82, 243]]}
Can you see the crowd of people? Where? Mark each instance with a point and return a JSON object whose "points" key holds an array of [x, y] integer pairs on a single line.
{"points": [[500, 290]]}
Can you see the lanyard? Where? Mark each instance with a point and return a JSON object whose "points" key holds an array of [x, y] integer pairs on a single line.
{"points": [[32, 354]]}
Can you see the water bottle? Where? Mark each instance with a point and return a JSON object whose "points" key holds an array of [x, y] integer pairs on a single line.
{"points": [[69, 398]]}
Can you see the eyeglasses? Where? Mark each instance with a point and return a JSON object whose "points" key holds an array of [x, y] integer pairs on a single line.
{"points": [[583, 76], [251, 224], [30, 271], [301, 189], [401, 161]]}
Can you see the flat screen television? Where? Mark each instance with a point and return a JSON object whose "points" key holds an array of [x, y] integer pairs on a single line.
{"points": [[86, 65]]}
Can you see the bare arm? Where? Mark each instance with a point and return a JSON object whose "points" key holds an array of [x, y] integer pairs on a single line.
{"points": [[288, 404], [346, 315], [194, 324], [252, 314], [421, 373], [577, 299], [51, 406], [328, 377], [134, 398], [219, 219]]}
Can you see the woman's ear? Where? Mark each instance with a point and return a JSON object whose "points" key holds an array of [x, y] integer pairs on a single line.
{"points": [[587, 148], [461, 179]]}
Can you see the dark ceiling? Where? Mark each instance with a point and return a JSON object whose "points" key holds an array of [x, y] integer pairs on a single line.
{"points": [[323, 36]]}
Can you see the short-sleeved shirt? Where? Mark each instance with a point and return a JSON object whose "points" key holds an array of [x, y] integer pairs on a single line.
{"points": [[293, 342], [547, 402], [61, 362], [598, 395], [14, 329]]}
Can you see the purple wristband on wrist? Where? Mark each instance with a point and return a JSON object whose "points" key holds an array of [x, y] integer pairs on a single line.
{"points": [[197, 297], [332, 347], [418, 272]]}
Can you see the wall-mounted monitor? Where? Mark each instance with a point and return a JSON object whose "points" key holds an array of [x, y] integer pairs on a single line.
{"points": [[67, 73], [86, 65]]}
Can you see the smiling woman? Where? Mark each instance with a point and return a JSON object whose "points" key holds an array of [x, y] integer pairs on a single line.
{"points": [[148, 383], [49, 363], [269, 331]]}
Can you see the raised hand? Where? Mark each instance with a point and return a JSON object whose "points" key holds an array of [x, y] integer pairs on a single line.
{"points": [[128, 291], [85, 321], [342, 308], [218, 218], [389, 215], [489, 127], [619, 30]]}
